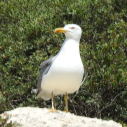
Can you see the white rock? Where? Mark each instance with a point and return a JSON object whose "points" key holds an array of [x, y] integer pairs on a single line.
{"points": [[39, 117]]}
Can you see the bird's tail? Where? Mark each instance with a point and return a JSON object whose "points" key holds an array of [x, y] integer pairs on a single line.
{"points": [[35, 91], [44, 95]]}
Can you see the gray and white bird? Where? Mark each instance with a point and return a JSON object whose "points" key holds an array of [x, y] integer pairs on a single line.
{"points": [[63, 73]]}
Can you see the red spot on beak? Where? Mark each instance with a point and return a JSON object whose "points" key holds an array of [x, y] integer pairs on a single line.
{"points": [[57, 31]]}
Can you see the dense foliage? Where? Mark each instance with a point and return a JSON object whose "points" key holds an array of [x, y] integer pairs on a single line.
{"points": [[27, 38]]}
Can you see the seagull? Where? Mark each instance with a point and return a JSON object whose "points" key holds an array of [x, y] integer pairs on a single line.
{"points": [[63, 73]]}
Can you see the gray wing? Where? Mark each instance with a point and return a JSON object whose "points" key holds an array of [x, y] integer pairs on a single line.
{"points": [[45, 66]]}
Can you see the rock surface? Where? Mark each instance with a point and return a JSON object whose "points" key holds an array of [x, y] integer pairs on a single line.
{"points": [[39, 117]]}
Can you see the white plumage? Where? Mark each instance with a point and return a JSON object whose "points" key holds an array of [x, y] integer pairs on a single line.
{"points": [[63, 73]]}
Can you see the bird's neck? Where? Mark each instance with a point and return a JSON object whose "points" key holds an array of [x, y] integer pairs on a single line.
{"points": [[70, 45]]}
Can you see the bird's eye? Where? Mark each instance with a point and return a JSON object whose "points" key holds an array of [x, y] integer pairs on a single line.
{"points": [[72, 27]]}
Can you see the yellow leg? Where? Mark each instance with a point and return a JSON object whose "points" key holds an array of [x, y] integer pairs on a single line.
{"points": [[66, 102], [52, 109]]}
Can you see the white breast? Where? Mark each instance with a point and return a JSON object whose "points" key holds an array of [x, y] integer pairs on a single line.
{"points": [[66, 71]]}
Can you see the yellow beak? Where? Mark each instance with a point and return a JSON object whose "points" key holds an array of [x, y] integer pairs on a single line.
{"points": [[60, 30]]}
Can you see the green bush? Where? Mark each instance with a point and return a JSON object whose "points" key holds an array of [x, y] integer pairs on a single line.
{"points": [[28, 38]]}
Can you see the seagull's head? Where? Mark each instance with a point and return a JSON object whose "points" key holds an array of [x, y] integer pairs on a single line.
{"points": [[71, 31]]}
